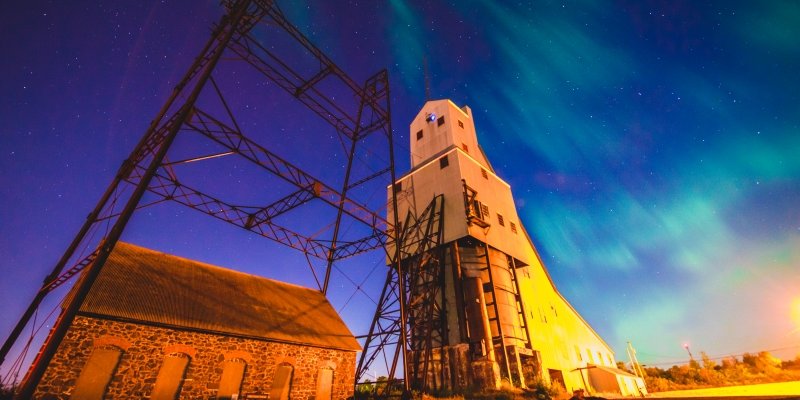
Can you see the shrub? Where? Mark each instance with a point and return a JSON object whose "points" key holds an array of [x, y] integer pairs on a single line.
{"points": [[541, 390]]}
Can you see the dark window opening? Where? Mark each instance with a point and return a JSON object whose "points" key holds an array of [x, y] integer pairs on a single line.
{"points": [[513, 226], [557, 379], [464, 146], [460, 124], [398, 187], [500, 220], [479, 210], [485, 175], [440, 121], [443, 162], [419, 134]]}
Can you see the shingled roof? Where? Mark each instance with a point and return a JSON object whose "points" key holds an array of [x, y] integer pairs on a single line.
{"points": [[143, 285]]}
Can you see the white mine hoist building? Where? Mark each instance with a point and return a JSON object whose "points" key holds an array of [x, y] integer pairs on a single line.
{"points": [[482, 308]]}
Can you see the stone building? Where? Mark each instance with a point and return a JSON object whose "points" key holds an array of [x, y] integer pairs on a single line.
{"points": [[159, 326]]}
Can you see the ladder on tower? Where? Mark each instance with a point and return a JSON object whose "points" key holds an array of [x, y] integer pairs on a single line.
{"points": [[523, 317], [499, 335], [532, 363], [490, 296]]}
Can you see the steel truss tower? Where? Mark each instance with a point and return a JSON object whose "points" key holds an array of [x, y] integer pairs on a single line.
{"points": [[409, 320], [202, 109]]}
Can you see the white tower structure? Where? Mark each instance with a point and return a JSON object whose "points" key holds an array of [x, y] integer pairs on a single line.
{"points": [[482, 308]]}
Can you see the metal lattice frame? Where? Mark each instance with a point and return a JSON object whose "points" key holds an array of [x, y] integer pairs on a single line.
{"points": [[149, 171], [416, 311]]}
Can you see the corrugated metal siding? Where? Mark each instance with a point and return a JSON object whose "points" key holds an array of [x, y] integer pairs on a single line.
{"points": [[144, 285]]}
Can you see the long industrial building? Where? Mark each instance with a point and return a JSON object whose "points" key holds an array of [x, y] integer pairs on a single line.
{"points": [[482, 308]]}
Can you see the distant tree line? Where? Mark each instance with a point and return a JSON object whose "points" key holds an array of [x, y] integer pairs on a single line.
{"points": [[730, 371]]}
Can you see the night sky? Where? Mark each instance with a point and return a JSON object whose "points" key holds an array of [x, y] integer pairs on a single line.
{"points": [[653, 147]]}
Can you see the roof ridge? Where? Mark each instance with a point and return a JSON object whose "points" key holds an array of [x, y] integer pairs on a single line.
{"points": [[206, 264]]}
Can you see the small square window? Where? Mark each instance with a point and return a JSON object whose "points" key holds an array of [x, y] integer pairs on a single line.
{"points": [[443, 162], [500, 220], [485, 211], [513, 226], [440, 121], [485, 175], [419, 134], [460, 124], [464, 146]]}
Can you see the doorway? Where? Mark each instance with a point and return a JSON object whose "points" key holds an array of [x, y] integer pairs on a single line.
{"points": [[557, 378]]}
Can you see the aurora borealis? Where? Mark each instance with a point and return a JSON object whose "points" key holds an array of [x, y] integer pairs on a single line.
{"points": [[653, 146]]}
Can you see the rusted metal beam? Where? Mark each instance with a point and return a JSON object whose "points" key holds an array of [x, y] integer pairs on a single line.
{"points": [[282, 206], [205, 124], [170, 188]]}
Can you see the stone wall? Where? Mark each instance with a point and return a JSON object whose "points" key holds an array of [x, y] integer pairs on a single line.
{"points": [[144, 348]]}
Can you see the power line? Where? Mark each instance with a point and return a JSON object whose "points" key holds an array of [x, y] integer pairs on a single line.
{"points": [[717, 357]]}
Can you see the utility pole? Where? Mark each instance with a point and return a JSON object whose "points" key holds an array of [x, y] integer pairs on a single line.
{"points": [[637, 368], [686, 346]]}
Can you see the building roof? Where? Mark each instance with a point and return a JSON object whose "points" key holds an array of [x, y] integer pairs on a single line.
{"points": [[144, 285], [612, 370]]}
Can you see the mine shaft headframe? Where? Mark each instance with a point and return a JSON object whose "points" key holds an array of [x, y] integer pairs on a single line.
{"points": [[417, 273], [147, 171], [373, 95]]}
